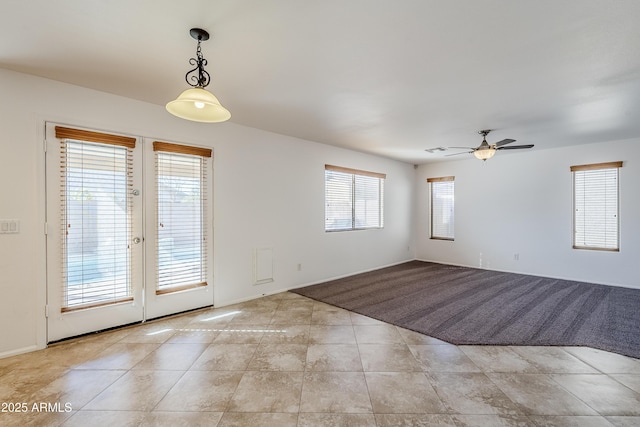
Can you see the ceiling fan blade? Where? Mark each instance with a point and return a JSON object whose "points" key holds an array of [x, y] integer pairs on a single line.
{"points": [[455, 154], [464, 148], [503, 142], [515, 147]]}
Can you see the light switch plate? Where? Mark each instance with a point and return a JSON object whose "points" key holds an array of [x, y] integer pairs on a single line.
{"points": [[9, 226]]}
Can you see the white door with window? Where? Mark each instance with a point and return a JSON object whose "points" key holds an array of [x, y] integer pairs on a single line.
{"points": [[109, 263]]}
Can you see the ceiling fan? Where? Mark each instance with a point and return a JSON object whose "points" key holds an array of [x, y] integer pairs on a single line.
{"points": [[486, 151]]}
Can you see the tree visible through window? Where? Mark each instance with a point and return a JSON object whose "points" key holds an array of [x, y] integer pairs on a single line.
{"points": [[595, 206], [441, 202]]}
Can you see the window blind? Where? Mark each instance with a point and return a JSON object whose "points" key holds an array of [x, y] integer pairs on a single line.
{"points": [[442, 207], [595, 203], [354, 199], [96, 174], [181, 213]]}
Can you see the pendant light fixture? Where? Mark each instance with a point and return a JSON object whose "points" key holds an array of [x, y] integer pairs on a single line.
{"points": [[197, 103]]}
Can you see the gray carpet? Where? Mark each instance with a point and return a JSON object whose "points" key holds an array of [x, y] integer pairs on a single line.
{"points": [[472, 306]]}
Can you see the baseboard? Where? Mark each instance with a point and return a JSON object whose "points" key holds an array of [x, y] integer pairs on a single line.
{"points": [[18, 351], [573, 279], [350, 274], [250, 298], [277, 291]]}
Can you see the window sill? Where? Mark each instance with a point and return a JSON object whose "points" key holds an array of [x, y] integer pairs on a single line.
{"points": [[594, 248]]}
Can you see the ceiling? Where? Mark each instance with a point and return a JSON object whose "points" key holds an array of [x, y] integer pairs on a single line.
{"points": [[391, 78]]}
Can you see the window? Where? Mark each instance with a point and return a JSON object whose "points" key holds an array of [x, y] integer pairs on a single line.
{"points": [[441, 197], [595, 206], [181, 191], [354, 199], [95, 198]]}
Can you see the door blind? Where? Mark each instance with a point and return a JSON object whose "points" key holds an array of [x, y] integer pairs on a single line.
{"points": [[96, 178], [181, 213]]}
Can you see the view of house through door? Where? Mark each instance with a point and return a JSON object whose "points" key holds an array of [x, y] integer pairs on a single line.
{"points": [[122, 245]]}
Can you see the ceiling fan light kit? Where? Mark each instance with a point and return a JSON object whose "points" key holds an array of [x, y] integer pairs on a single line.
{"points": [[198, 104], [486, 151]]}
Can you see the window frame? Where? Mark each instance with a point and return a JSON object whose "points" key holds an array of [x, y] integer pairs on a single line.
{"points": [[434, 182], [587, 168], [354, 173]]}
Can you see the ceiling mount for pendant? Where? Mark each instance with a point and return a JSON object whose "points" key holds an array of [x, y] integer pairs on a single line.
{"points": [[199, 34], [198, 104]]}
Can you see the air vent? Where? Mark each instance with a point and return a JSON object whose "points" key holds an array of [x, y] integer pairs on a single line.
{"points": [[434, 150]]}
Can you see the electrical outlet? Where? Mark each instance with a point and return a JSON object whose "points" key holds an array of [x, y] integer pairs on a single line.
{"points": [[516, 257], [299, 267]]}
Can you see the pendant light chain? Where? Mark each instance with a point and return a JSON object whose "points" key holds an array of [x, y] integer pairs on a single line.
{"points": [[202, 78]]}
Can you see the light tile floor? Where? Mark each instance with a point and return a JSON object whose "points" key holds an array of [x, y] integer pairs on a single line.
{"points": [[285, 360]]}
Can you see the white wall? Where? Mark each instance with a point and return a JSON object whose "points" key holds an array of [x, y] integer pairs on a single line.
{"points": [[521, 203], [268, 192]]}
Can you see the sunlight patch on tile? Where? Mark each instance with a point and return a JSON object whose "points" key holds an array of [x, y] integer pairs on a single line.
{"points": [[220, 316]]}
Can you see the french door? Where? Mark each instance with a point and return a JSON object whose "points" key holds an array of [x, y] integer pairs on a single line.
{"points": [[106, 254]]}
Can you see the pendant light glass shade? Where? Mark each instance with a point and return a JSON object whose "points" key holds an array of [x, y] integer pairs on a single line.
{"points": [[199, 105]]}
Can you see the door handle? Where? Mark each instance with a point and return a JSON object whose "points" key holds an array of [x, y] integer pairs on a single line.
{"points": [[137, 240]]}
